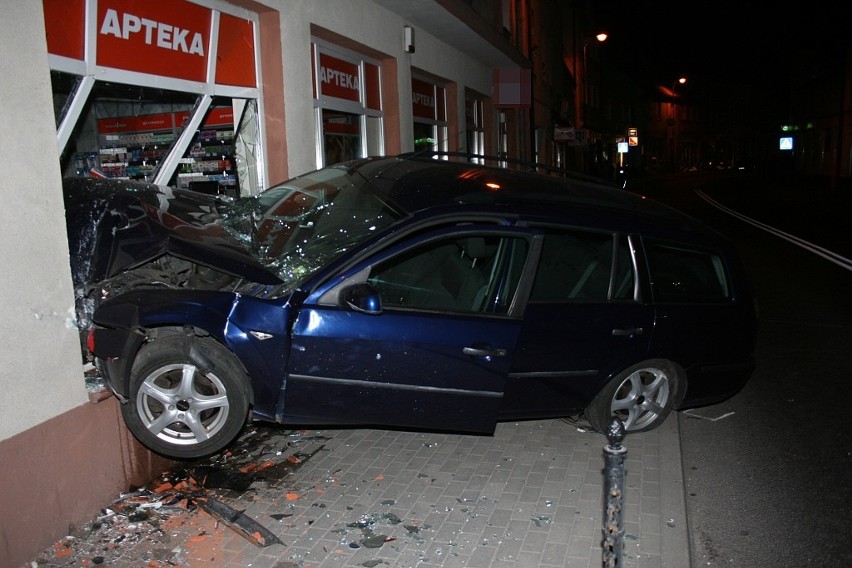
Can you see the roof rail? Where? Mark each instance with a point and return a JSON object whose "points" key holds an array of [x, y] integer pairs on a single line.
{"points": [[502, 162]]}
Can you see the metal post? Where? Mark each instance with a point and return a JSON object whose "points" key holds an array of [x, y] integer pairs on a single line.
{"points": [[613, 529]]}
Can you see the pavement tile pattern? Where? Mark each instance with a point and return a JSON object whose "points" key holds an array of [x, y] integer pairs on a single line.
{"points": [[531, 495]]}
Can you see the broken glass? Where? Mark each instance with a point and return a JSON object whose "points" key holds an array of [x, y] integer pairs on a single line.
{"points": [[298, 227]]}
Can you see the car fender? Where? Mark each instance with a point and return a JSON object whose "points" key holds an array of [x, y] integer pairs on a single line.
{"points": [[260, 344]]}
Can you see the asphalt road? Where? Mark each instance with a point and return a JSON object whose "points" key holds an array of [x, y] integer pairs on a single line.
{"points": [[768, 471]]}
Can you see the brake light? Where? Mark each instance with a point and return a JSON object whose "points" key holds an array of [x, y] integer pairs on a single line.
{"points": [[90, 341]]}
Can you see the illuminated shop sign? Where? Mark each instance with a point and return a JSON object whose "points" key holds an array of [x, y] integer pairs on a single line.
{"points": [[356, 81], [339, 78], [167, 39], [423, 99], [154, 37], [428, 100], [132, 27]]}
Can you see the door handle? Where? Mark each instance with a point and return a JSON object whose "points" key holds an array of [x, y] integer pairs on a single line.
{"points": [[632, 332], [475, 352]]}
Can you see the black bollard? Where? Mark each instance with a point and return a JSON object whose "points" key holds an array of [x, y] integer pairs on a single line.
{"points": [[613, 529]]}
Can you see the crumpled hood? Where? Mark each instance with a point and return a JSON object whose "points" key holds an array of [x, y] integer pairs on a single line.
{"points": [[114, 225]]}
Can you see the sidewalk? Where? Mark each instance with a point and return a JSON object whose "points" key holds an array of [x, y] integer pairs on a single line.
{"points": [[530, 496]]}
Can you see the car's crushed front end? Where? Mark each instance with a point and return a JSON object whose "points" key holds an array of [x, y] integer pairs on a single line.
{"points": [[125, 235], [184, 301]]}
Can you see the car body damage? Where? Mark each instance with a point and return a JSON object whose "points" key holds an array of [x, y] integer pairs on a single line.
{"points": [[123, 235]]}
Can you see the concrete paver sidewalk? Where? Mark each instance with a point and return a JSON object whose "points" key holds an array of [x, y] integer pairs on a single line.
{"points": [[531, 495]]}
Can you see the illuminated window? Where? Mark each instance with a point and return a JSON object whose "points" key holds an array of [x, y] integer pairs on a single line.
{"points": [[475, 128]]}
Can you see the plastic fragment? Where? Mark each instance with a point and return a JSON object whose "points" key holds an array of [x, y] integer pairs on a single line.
{"points": [[243, 525]]}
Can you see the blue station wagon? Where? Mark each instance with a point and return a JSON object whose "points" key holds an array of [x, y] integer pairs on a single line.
{"points": [[404, 292]]}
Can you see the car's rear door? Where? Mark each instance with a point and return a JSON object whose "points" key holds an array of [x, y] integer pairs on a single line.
{"points": [[584, 321], [439, 352]]}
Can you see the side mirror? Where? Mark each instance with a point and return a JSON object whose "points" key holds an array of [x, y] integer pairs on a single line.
{"points": [[362, 298]]}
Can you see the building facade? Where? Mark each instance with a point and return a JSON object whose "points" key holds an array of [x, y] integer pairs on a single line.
{"points": [[819, 122]]}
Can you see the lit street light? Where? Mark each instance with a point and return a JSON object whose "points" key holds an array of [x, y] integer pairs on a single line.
{"points": [[581, 95], [600, 38], [672, 94], [671, 119]]}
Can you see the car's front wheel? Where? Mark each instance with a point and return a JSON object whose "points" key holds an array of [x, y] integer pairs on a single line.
{"points": [[642, 397], [188, 396]]}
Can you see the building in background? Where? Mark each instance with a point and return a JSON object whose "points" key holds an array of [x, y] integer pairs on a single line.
{"points": [[819, 122], [710, 124]]}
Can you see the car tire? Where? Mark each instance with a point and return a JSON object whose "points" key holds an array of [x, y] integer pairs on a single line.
{"points": [[641, 396], [188, 396]]}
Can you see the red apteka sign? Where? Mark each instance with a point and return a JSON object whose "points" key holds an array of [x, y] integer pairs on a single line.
{"points": [[423, 99], [338, 78], [170, 39], [160, 38]]}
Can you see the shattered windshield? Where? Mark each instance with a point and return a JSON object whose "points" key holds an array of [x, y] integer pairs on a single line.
{"points": [[298, 227]]}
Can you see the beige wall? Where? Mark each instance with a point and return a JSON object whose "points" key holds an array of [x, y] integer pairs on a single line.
{"points": [[62, 457], [62, 472], [40, 366]]}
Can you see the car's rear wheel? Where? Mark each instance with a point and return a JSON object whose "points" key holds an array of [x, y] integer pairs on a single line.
{"points": [[188, 396], [642, 397]]}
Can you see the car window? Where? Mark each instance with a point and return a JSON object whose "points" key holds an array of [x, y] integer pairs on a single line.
{"points": [[470, 274], [577, 266], [682, 274]]}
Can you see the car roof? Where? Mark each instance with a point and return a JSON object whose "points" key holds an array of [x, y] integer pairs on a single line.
{"points": [[414, 183]]}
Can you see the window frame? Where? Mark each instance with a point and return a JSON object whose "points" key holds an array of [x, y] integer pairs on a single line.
{"points": [[619, 243]]}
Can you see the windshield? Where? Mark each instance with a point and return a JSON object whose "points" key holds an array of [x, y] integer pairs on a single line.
{"points": [[296, 228]]}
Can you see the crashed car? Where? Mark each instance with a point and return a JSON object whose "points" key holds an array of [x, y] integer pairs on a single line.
{"points": [[402, 292]]}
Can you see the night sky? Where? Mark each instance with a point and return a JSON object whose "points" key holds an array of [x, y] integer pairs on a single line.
{"points": [[724, 41]]}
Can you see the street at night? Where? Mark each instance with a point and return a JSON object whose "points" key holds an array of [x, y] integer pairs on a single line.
{"points": [[767, 472]]}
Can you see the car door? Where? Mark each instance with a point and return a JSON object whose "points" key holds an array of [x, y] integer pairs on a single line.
{"points": [[583, 322], [437, 351]]}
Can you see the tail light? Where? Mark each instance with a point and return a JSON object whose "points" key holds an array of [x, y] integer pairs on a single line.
{"points": [[90, 341]]}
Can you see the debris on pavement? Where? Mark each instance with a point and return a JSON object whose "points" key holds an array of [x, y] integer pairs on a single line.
{"points": [[283, 498], [245, 526], [142, 517]]}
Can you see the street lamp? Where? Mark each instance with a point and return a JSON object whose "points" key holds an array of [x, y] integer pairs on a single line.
{"points": [[600, 38], [671, 120], [581, 94]]}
